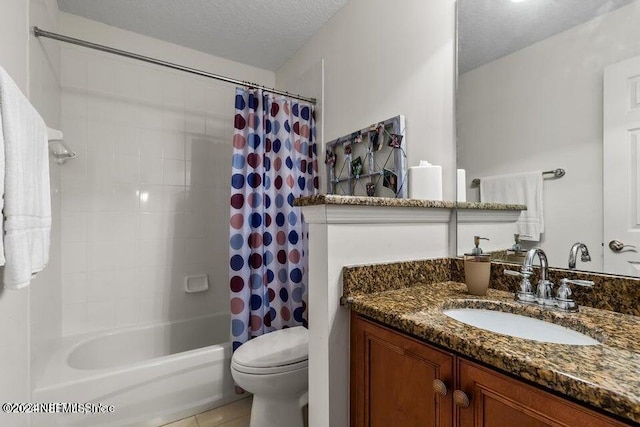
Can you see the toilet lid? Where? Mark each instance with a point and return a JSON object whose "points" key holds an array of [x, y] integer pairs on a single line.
{"points": [[284, 347]]}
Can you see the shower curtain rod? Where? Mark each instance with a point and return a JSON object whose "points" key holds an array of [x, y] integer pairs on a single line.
{"points": [[42, 33]]}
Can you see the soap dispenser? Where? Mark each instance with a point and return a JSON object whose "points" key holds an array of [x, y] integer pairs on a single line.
{"points": [[516, 253], [517, 246], [477, 269]]}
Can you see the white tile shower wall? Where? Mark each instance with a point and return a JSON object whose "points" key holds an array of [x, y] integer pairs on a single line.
{"points": [[137, 202], [146, 202]]}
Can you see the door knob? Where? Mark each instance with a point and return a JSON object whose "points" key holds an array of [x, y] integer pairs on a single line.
{"points": [[440, 388], [618, 246]]}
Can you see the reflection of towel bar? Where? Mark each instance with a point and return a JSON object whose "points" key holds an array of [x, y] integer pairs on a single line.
{"points": [[557, 173]]}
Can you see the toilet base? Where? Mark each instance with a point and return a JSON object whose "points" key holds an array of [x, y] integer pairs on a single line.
{"points": [[267, 412]]}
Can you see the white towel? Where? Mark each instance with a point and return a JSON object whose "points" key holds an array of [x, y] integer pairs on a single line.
{"points": [[24, 167], [522, 189]]}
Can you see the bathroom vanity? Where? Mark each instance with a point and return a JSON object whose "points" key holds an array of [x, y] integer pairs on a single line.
{"points": [[429, 386], [407, 299], [413, 365]]}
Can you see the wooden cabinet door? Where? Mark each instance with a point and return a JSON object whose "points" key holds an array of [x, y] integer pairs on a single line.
{"points": [[392, 379], [498, 400]]}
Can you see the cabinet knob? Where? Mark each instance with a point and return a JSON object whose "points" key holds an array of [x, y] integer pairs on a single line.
{"points": [[460, 399], [440, 388]]}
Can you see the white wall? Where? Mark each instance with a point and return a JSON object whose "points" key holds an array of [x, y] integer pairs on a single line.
{"points": [[372, 61], [14, 305], [14, 39], [381, 60], [146, 202], [350, 235], [30, 317], [541, 108], [44, 83]]}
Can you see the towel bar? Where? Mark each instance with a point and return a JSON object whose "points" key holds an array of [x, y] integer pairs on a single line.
{"points": [[557, 173]]}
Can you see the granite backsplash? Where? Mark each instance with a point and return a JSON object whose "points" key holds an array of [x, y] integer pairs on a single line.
{"points": [[614, 293]]}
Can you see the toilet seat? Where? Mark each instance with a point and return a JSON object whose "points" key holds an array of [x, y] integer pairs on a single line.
{"points": [[277, 352], [270, 370]]}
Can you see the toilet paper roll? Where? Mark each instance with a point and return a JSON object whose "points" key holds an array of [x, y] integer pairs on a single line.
{"points": [[461, 186], [425, 181]]}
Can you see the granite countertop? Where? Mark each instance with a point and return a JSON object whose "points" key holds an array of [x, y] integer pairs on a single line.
{"points": [[330, 199], [605, 376]]}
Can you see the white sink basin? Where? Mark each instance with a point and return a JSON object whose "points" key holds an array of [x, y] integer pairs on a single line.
{"points": [[519, 326]]}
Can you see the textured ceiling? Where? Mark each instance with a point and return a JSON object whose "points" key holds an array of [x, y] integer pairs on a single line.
{"points": [[262, 33], [490, 29]]}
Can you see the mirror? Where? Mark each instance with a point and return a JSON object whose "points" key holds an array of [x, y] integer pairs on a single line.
{"points": [[549, 84]]}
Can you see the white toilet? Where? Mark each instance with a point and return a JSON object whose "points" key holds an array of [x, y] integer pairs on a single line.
{"points": [[274, 367]]}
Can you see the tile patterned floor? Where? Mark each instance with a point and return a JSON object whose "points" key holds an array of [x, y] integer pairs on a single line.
{"points": [[236, 414]]}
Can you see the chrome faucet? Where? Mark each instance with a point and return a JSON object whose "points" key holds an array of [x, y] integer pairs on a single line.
{"points": [[543, 290], [543, 295], [573, 254]]}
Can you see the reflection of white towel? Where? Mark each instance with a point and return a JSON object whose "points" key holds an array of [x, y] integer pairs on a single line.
{"points": [[522, 189], [24, 166]]}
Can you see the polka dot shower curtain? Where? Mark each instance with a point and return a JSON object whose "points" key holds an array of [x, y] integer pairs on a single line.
{"points": [[274, 162]]}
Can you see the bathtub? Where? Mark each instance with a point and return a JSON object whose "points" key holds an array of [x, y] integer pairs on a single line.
{"points": [[151, 375]]}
